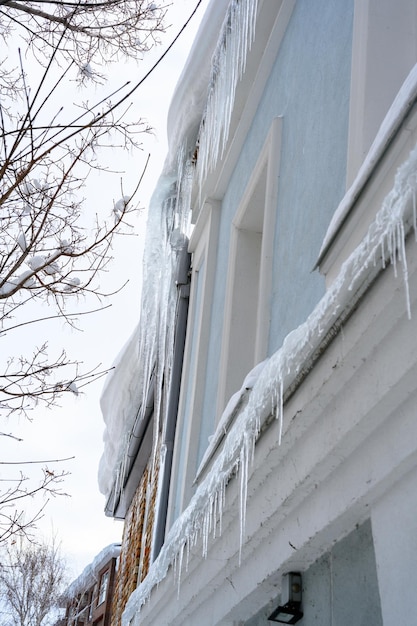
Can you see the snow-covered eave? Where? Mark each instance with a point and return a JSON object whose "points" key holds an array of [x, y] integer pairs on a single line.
{"points": [[393, 121], [188, 108], [89, 575], [190, 95], [385, 239], [184, 117]]}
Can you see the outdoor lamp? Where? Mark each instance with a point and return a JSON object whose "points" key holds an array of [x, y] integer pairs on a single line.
{"points": [[289, 612]]}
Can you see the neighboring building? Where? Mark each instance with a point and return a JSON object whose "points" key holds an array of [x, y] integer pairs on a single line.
{"points": [[262, 420], [88, 600]]}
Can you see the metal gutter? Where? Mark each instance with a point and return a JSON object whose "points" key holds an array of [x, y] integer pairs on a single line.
{"points": [[183, 284]]}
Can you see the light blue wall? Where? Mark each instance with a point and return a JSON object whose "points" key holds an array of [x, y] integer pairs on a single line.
{"points": [[314, 102], [309, 87]]}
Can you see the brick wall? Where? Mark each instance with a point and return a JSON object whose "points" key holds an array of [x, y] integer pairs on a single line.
{"points": [[136, 542]]}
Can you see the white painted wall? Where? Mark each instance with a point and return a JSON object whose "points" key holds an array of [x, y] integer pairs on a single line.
{"points": [[394, 526]]}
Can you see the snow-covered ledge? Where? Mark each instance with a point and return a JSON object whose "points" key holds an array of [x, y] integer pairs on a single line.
{"points": [[393, 120], [385, 240], [233, 407]]}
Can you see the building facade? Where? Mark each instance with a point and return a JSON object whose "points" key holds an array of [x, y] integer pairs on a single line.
{"points": [[262, 420], [88, 600]]}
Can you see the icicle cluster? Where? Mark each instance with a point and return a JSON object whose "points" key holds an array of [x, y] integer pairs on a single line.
{"points": [[168, 221], [150, 358], [228, 66], [385, 240]]}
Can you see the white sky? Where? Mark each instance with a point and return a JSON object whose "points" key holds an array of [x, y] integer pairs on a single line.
{"points": [[76, 428]]}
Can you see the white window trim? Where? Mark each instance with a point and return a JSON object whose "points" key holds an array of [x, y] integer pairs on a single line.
{"points": [[269, 157]]}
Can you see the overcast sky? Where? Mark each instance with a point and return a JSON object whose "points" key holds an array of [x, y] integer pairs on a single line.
{"points": [[76, 428]]}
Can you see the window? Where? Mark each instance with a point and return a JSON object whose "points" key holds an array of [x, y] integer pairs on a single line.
{"points": [[247, 314], [102, 591]]}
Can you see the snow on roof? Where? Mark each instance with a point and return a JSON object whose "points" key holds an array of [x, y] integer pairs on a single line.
{"points": [[196, 97], [190, 95], [89, 575], [119, 404], [125, 386]]}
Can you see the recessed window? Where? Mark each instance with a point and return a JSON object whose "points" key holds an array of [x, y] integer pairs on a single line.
{"points": [[247, 308]]}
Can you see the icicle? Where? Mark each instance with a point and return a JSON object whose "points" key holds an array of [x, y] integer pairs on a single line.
{"points": [[179, 568], [214, 514], [244, 461], [383, 253], [228, 66], [253, 436], [281, 410], [222, 494], [413, 194], [187, 560], [403, 259], [206, 531]]}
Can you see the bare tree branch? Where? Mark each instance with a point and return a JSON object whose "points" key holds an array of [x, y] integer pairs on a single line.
{"points": [[54, 247], [15, 521], [43, 461], [32, 578]]}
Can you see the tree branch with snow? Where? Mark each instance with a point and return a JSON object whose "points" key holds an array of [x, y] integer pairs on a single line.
{"points": [[55, 247], [55, 244], [32, 578]]}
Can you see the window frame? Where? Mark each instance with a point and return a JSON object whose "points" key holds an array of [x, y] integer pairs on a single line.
{"points": [[269, 163], [269, 157], [105, 577]]}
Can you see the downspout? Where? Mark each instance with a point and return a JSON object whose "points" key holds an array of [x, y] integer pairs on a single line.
{"points": [[183, 285]]}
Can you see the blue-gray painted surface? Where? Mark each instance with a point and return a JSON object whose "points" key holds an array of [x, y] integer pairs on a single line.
{"points": [[313, 84]]}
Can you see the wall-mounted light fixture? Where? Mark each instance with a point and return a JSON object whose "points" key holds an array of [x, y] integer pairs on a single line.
{"points": [[289, 612]]}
